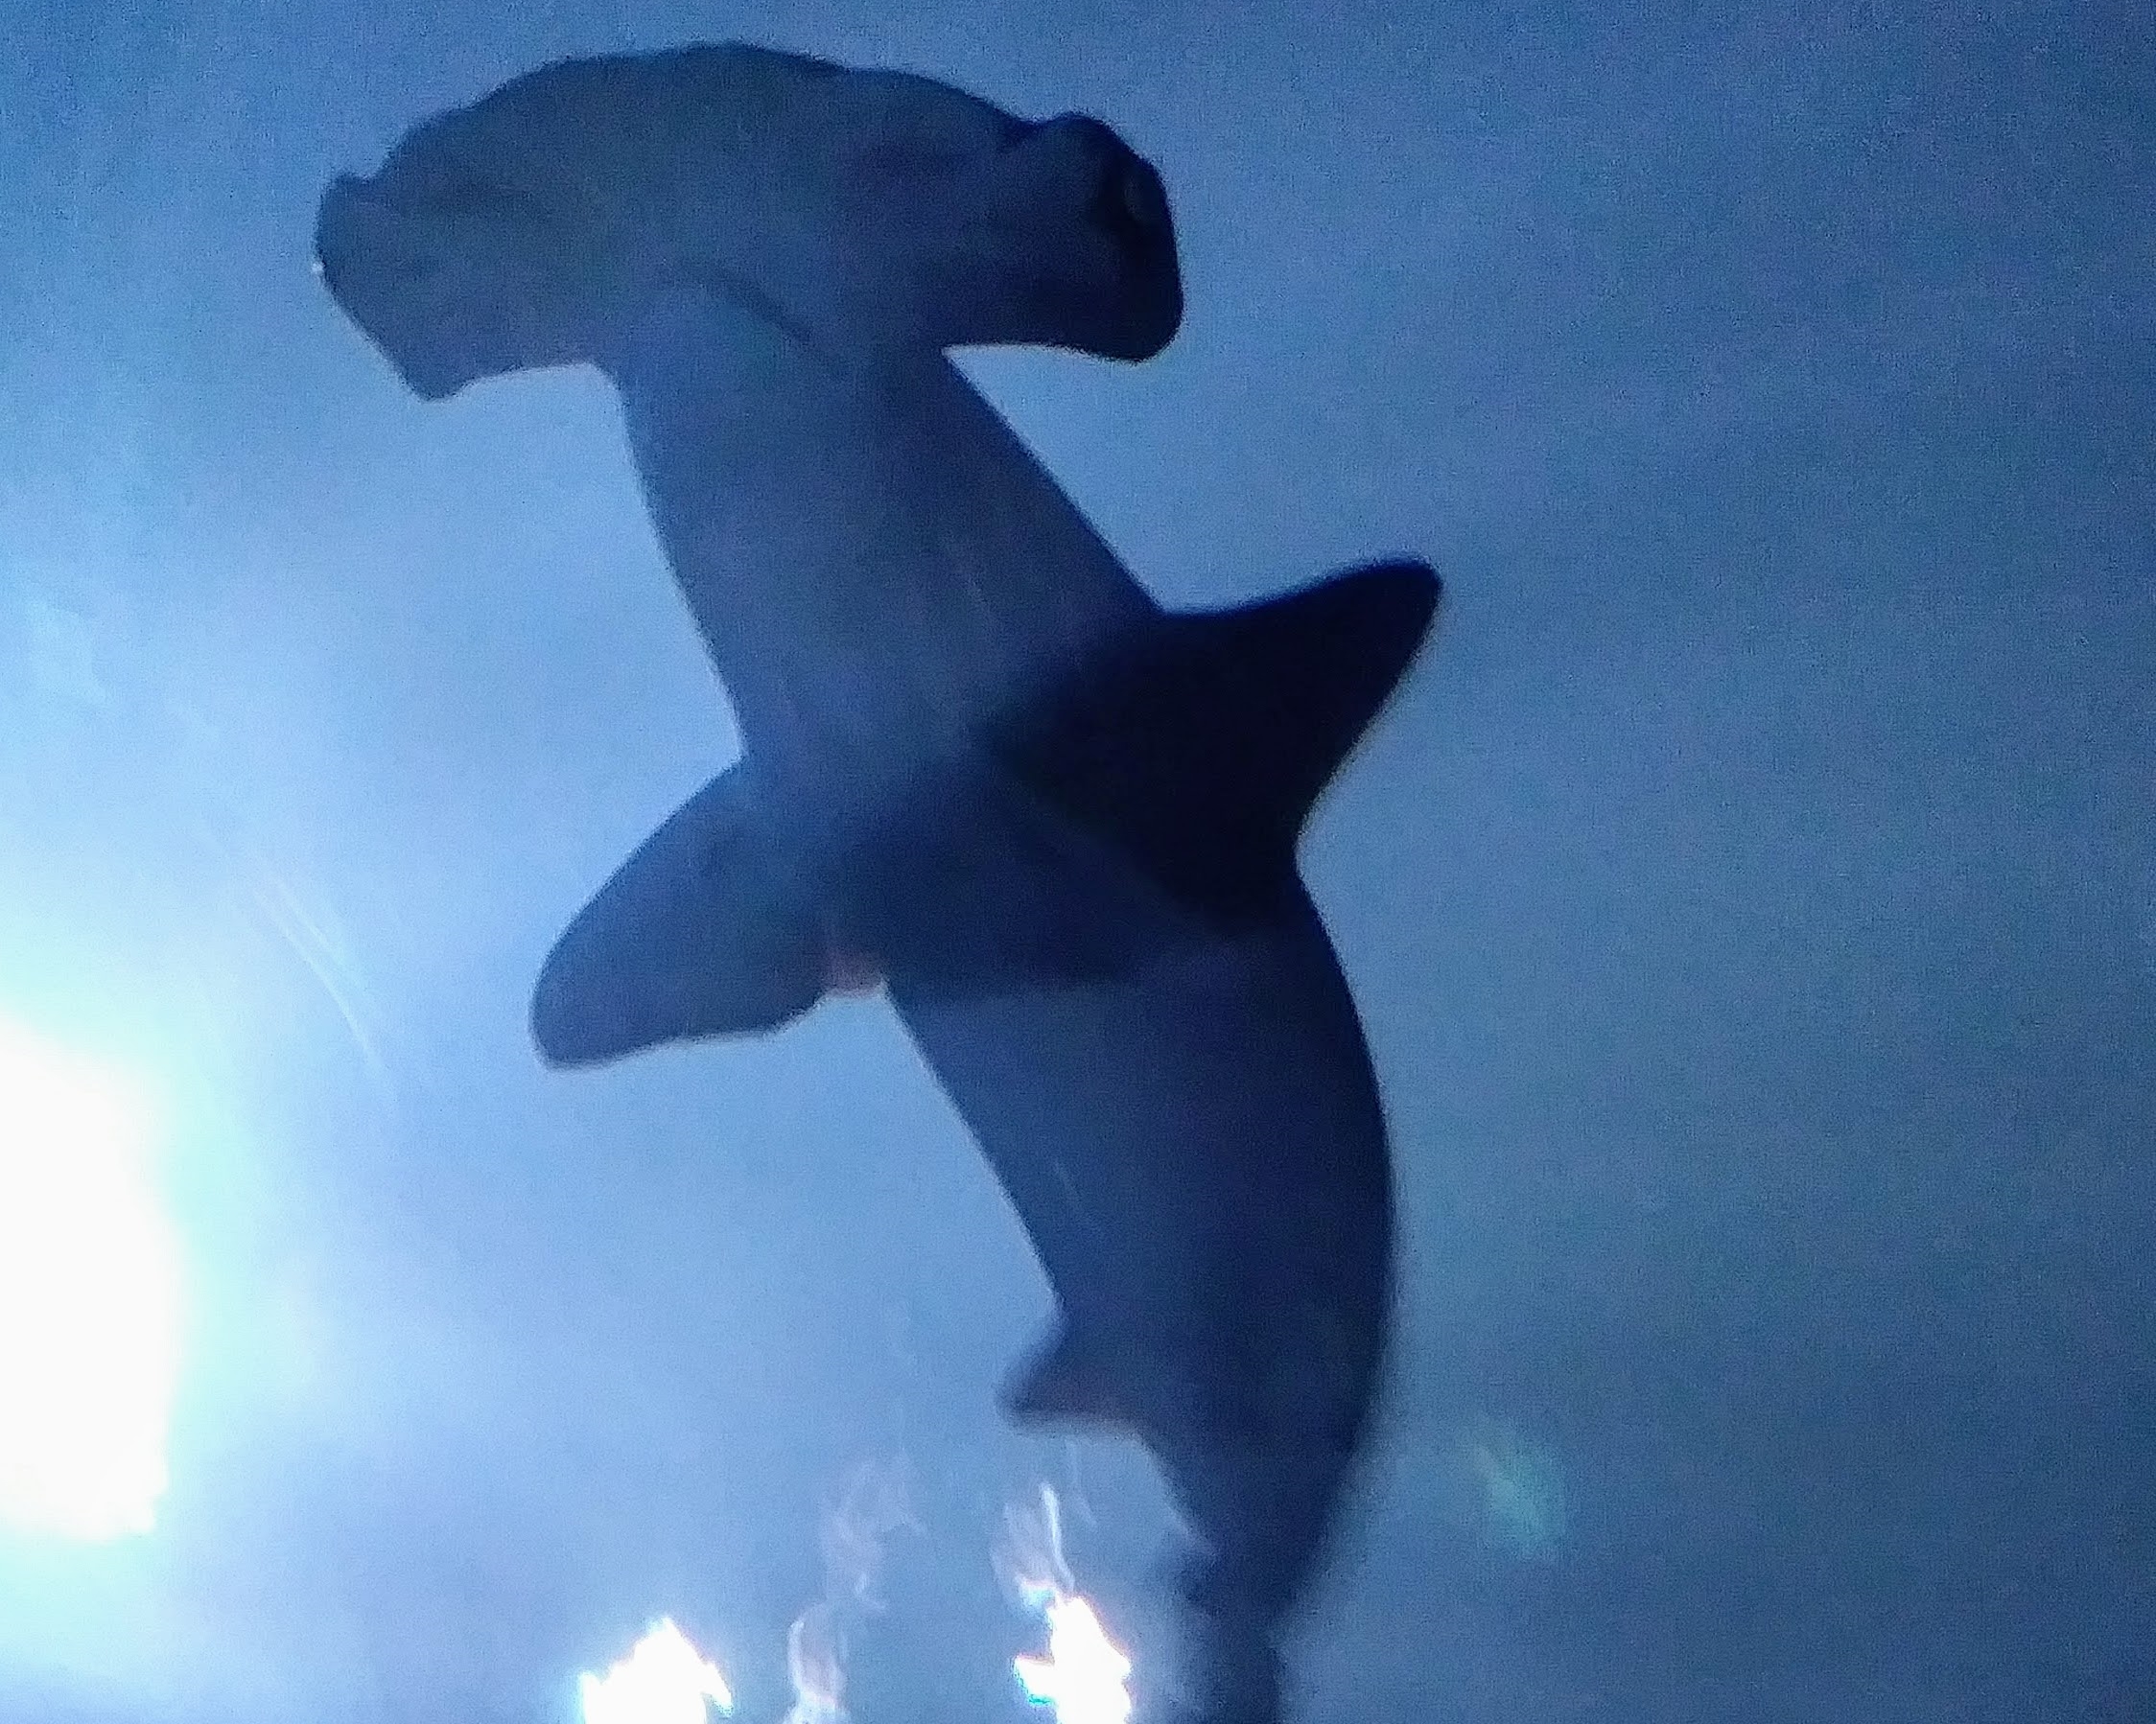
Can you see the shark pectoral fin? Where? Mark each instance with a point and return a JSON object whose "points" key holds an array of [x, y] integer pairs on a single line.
{"points": [[1063, 1382], [1200, 743], [700, 933]]}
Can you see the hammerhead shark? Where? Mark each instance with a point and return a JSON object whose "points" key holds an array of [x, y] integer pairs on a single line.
{"points": [[981, 768]]}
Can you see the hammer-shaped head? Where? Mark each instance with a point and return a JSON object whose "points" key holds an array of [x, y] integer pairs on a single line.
{"points": [[865, 211]]}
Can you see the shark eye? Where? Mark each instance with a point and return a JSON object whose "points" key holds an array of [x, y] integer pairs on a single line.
{"points": [[1128, 202]]}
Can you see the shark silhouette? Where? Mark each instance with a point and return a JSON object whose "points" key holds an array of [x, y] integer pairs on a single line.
{"points": [[981, 768]]}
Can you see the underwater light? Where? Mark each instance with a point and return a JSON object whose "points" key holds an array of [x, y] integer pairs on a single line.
{"points": [[663, 1680], [1085, 1676], [89, 1299], [1085, 1679]]}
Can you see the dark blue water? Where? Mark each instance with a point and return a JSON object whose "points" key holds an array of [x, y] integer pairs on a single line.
{"points": [[1751, 899]]}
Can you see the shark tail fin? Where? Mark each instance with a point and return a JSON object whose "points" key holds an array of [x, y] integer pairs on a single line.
{"points": [[1201, 746]]}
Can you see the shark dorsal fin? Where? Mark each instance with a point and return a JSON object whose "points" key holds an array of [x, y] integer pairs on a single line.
{"points": [[1201, 744], [1292, 682]]}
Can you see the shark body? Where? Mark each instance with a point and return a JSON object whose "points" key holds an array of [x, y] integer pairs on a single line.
{"points": [[981, 767]]}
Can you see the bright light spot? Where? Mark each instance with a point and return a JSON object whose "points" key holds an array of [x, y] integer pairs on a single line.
{"points": [[663, 1680], [89, 1299], [1085, 1678]]}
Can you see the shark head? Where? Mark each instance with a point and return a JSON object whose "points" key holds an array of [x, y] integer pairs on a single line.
{"points": [[861, 210]]}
